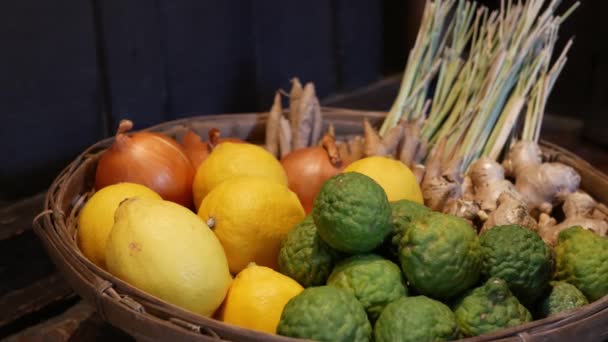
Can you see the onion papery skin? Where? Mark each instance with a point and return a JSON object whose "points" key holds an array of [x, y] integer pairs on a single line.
{"points": [[150, 159]]}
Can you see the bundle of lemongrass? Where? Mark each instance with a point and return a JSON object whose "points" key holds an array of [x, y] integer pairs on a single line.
{"points": [[490, 74], [489, 68], [472, 96]]}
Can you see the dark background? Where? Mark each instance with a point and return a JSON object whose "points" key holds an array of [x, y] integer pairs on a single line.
{"points": [[70, 69]]}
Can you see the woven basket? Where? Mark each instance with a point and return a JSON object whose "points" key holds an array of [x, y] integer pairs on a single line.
{"points": [[148, 318]]}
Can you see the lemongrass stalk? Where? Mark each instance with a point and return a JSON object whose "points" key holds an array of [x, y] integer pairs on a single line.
{"points": [[430, 42], [408, 75], [423, 53], [530, 119], [450, 68], [508, 118], [466, 84], [569, 11]]}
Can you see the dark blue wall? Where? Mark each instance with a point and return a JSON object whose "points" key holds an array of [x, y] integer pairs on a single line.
{"points": [[69, 70]]}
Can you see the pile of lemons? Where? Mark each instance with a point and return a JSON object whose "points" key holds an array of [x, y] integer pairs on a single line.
{"points": [[221, 260]]}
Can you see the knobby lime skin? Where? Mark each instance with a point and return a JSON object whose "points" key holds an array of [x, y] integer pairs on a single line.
{"points": [[520, 257], [305, 257], [374, 280], [440, 255], [413, 319], [325, 313], [403, 212], [488, 308], [352, 213], [560, 297], [582, 260]]}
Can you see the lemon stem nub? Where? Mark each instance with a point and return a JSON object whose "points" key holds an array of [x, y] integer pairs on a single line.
{"points": [[211, 222]]}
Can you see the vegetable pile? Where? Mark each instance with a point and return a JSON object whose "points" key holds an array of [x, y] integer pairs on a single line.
{"points": [[446, 221]]}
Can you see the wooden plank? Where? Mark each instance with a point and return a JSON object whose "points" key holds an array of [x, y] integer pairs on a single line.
{"points": [[58, 329], [96, 329], [32, 298], [17, 218], [23, 261]]}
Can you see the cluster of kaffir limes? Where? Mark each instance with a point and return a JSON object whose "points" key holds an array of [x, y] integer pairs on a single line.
{"points": [[397, 271]]}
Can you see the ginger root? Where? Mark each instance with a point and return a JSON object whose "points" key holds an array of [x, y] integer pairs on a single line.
{"points": [[306, 123], [488, 181], [520, 155], [412, 145], [295, 97], [352, 149], [439, 187], [542, 185], [284, 136], [510, 210], [579, 209], [273, 126], [463, 208], [303, 125], [376, 146]]}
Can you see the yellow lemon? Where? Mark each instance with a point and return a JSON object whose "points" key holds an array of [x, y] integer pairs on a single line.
{"points": [[396, 178], [251, 216], [167, 251], [256, 298], [97, 217], [228, 160]]}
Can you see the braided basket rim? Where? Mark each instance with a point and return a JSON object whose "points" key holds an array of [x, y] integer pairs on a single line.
{"points": [[104, 291]]}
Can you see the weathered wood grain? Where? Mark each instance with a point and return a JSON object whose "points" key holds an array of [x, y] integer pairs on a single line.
{"points": [[32, 298], [17, 218], [58, 329]]}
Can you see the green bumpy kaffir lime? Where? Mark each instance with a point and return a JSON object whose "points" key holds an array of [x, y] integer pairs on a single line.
{"points": [[375, 281], [489, 308], [403, 212], [305, 257], [561, 297], [440, 255], [415, 319], [325, 313], [518, 256], [582, 260], [352, 213]]}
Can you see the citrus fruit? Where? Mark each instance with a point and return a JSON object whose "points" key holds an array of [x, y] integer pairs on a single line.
{"points": [[396, 178], [325, 313], [561, 297], [518, 256], [97, 217], [167, 251], [403, 212], [228, 160], [305, 257], [256, 298], [440, 255], [251, 216], [582, 260], [415, 319], [488, 308], [352, 213], [373, 280]]}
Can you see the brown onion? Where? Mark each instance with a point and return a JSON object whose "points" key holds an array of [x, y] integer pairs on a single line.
{"points": [[197, 150], [308, 168], [148, 158]]}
